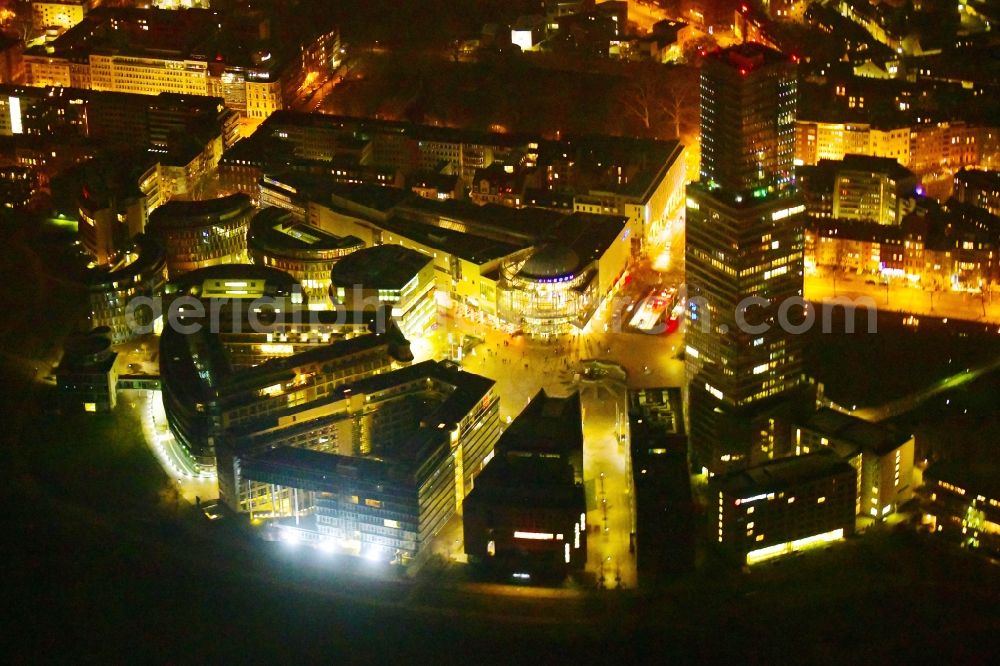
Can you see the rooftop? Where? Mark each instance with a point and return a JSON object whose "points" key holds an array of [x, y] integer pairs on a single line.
{"points": [[885, 165], [473, 248], [379, 267], [464, 391], [588, 235], [656, 421], [321, 471], [232, 281], [87, 351], [975, 478], [550, 261], [513, 482], [980, 179], [275, 231], [747, 56], [146, 255], [179, 214], [547, 425], [783, 474], [876, 437]]}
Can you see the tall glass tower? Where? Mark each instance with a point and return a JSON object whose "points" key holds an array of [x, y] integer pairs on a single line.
{"points": [[744, 261]]}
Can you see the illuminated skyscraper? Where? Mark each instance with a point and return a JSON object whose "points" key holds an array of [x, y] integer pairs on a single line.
{"points": [[744, 261], [748, 96]]}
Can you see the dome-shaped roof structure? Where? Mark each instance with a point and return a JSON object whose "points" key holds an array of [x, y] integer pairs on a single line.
{"points": [[550, 261]]}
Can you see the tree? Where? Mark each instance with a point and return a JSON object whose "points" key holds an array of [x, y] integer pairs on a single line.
{"points": [[661, 100], [681, 102]]}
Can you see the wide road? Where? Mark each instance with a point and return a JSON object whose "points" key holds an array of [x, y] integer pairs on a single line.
{"points": [[898, 297], [191, 481]]}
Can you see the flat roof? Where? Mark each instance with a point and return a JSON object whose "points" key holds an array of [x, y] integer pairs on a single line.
{"points": [[513, 483], [467, 390], [410, 451], [227, 280], [547, 425], [783, 474], [179, 214], [277, 232], [476, 249], [320, 470], [146, 255], [979, 179], [375, 197], [747, 56], [379, 267], [975, 478], [876, 437], [656, 421], [644, 161], [589, 235], [853, 162], [494, 220]]}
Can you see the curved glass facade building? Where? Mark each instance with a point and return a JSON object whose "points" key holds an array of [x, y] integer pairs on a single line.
{"points": [[196, 234]]}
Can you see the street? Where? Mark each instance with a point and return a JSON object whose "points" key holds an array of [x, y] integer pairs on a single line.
{"points": [[191, 482], [899, 297]]}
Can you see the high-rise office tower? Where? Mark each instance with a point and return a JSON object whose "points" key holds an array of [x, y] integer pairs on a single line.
{"points": [[744, 261], [748, 97]]}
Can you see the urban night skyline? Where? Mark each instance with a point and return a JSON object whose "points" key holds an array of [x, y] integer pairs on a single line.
{"points": [[522, 331]]}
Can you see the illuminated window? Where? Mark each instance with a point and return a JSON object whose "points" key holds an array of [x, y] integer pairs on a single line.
{"points": [[89, 407], [374, 503]]}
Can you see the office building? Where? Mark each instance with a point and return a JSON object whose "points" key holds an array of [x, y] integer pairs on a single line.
{"points": [[388, 275], [783, 506], [748, 100], [938, 246], [117, 194], [375, 467], [11, 59], [150, 51], [640, 179], [526, 515], [744, 267], [254, 350], [86, 376], [116, 119], [18, 184], [742, 357], [61, 14], [182, 4], [859, 187], [924, 148], [881, 455], [979, 188], [664, 536], [961, 501], [140, 273], [196, 234], [277, 239], [537, 270]]}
